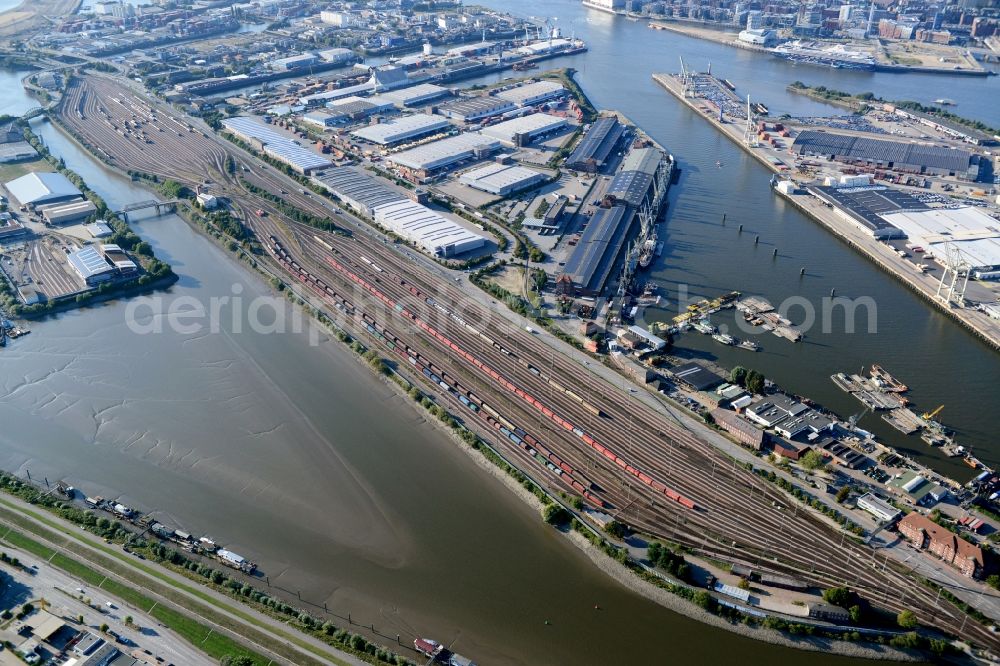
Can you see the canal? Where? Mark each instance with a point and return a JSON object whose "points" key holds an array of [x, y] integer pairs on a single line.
{"points": [[293, 455], [939, 360]]}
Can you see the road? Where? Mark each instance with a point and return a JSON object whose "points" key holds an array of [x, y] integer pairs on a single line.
{"points": [[133, 572], [68, 598]]}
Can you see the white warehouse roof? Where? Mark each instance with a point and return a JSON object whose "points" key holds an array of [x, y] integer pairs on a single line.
{"points": [[277, 145], [42, 187], [501, 178], [441, 153], [971, 232], [429, 230], [532, 93], [89, 263], [423, 92], [532, 125], [401, 129]]}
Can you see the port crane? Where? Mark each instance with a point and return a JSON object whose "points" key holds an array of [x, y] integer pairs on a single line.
{"points": [[929, 416], [750, 133], [956, 264], [686, 79], [853, 421]]}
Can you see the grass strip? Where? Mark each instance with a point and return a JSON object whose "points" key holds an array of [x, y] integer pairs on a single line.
{"points": [[170, 591]]}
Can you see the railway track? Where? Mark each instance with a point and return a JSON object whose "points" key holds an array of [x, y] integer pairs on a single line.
{"points": [[760, 524], [728, 512]]}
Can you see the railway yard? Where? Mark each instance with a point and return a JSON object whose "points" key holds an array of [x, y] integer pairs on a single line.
{"points": [[516, 389]]}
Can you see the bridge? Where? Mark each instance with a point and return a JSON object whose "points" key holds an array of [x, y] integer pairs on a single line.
{"points": [[32, 112], [160, 206]]}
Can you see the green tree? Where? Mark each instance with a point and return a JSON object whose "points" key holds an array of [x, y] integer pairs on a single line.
{"points": [[237, 660], [104, 627], [843, 493], [993, 581], [855, 612], [704, 599], [128, 620], [755, 382], [616, 529], [738, 375], [555, 514], [838, 596], [906, 619], [813, 460]]}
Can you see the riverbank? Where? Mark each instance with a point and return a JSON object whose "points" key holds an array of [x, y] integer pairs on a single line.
{"points": [[860, 101], [34, 13], [974, 321], [812, 644], [848, 102], [727, 38], [627, 571]]}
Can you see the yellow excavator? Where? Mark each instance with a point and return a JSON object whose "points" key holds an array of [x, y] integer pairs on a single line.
{"points": [[929, 416]]}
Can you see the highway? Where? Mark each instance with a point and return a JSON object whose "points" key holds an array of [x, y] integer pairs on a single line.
{"points": [[632, 452]]}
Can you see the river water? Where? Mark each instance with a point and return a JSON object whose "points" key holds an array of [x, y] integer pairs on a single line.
{"points": [[940, 361], [292, 454]]}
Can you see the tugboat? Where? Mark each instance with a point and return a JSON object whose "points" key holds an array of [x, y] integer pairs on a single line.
{"points": [[427, 647], [439, 654]]}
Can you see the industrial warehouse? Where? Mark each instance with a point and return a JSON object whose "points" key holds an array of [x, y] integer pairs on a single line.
{"points": [[526, 129], [966, 232], [502, 179], [416, 95], [897, 155], [427, 229], [471, 109], [401, 129], [357, 189], [438, 155], [637, 191], [865, 205], [593, 258], [531, 94], [40, 188], [275, 145], [597, 144]]}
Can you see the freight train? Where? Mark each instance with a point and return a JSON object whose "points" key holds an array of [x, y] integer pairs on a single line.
{"points": [[500, 379], [527, 442]]}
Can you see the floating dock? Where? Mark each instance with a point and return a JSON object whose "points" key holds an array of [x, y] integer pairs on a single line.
{"points": [[903, 420]]}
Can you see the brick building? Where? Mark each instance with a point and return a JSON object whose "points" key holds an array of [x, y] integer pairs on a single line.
{"points": [[957, 552]]}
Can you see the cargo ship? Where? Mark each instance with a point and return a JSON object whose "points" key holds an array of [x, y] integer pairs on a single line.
{"points": [[648, 251], [836, 56], [886, 381]]}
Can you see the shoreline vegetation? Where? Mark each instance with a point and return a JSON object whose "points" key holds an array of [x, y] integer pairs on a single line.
{"points": [[556, 510], [860, 101]]}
